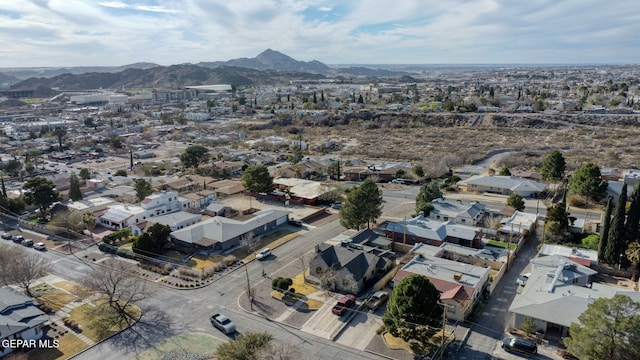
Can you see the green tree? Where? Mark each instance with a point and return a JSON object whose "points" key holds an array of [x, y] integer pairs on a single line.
{"points": [[120, 173], [617, 240], [194, 155], [362, 206], [553, 166], [604, 231], [296, 154], [414, 301], [142, 188], [84, 174], [41, 192], [557, 222], [333, 170], [75, 193], [247, 347], [153, 240], [587, 182], [418, 170], [428, 192], [631, 226], [608, 329], [516, 201], [256, 178], [281, 283], [89, 221], [59, 133], [12, 167], [504, 171], [528, 325], [400, 173]]}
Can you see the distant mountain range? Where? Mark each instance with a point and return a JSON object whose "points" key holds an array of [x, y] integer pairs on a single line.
{"points": [[268, 67]]}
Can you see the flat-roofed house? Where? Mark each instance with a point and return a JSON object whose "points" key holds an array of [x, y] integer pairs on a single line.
{"points": [[220, 233], [460, 285], [428, 231], [505, 185]]}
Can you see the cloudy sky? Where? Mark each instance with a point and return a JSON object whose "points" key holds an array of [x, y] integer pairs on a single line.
{"points": [[112, 32]]}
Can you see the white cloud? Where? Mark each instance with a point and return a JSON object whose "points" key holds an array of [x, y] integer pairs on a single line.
{"points": [[87, 32]]}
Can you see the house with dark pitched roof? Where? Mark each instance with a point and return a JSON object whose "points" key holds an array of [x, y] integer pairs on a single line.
{"points": [[355, 267], [20, 318]]}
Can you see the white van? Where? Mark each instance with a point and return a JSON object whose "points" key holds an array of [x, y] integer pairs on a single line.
{"points": [[39, 246]]}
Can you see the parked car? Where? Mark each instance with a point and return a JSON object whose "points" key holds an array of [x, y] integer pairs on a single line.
{"points": [[295, 222], [263, 254], [6, 236], [519, 345], [223, 324], [39, 246], [343, 304], [377, 299], [336, 206], [522, 279], [27, 242], [18, 239]]}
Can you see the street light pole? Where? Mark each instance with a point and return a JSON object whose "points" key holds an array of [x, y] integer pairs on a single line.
{"points": [[246, 271]]}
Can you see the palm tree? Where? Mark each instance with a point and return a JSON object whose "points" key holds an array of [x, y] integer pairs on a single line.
{"points": [[633, 254]]}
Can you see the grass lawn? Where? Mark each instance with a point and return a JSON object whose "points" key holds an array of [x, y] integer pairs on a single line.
{"points": [[73, 288], [313, 304], [502, 245], [301, 286], [97, 322], [56, 299], [173, 255], [198, 343], [203, 262], [434, 341], [69, 346]]}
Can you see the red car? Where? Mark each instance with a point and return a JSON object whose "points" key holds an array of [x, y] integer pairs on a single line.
{"points": [[343, 304]]}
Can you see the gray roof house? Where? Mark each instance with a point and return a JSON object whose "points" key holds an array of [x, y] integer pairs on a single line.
{"points": [[355, 267], [505, 185], [220, 233], [462, 212], [421, 229], [19, 318], [556, 293]]}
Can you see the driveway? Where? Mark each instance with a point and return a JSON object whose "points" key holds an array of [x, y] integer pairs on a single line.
{"points": [[489, 327]]}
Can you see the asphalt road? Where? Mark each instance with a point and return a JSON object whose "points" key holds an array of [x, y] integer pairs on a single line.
{"points": [[188, 310]]}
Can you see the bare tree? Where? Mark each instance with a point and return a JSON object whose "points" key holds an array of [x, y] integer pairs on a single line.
{"points": [[329, 279], [7, 256], [492, 222], [122, 288], [24, 269]]}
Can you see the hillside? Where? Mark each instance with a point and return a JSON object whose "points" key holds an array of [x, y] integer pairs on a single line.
{"points": [[163, 77]]}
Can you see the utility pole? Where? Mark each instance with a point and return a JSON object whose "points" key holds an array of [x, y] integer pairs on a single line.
{"points": [[444, 323], [246, 271]]}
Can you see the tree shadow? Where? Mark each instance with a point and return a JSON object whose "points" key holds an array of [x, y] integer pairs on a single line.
{"points": [[153, 326]]}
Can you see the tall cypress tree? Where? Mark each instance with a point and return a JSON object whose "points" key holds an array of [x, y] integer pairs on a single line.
{"points": [[617, 239], [75, 193], [604, 232], [632, 226]]}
